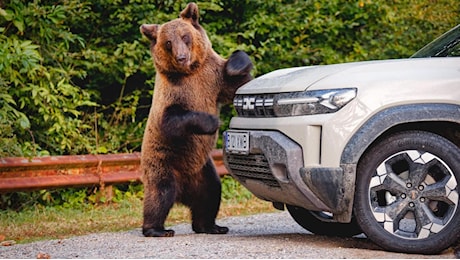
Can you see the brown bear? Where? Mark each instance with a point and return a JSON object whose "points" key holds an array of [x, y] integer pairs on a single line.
{"points": [[191, 81]]}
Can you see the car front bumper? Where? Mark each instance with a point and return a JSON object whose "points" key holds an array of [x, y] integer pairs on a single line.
{"points": [[273, 170]]}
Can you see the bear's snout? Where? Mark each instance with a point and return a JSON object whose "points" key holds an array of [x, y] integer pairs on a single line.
{"points": [[182, 59]]}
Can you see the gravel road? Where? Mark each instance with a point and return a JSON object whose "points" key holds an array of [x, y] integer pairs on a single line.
{"points": [[273, 235]]}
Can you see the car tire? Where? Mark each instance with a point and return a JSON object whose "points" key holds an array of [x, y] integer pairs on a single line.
{"points": [[320, 223], [407, 197]]}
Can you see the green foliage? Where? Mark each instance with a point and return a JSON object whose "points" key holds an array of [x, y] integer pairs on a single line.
{"points": [[57, 73], [127, 192], [42, 106], [76, 77], [233, 190], [69, 198], [280, 34]]}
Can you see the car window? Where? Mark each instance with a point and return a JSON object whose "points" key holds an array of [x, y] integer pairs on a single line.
{"points": [[454, 51], [447, 45]]}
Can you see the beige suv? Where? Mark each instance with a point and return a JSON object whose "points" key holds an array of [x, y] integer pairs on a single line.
{"points": [[369, 147]]}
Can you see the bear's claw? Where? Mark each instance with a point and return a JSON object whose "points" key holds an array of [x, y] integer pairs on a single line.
{"points": [[151, 232], [213, 230]]}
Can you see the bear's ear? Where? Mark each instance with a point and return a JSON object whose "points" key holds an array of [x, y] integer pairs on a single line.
{"points": [[150, 31], [191, 13]]}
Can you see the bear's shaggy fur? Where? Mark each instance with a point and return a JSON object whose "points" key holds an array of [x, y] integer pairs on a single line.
{"points": [[191, 80]]}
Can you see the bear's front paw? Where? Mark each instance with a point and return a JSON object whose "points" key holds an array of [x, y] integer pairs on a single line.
{"points": [[239, 64], [212, 230], [206, 124], [152, 232]]}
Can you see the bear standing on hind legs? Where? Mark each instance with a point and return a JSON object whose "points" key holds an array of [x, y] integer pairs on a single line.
{"points": [[191, 80]]}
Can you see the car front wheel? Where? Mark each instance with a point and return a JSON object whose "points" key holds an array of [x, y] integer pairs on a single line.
{"points": [[407, 195]]}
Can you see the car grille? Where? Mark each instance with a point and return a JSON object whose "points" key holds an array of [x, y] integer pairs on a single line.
{"points": [[254, 105], [252, 166]]}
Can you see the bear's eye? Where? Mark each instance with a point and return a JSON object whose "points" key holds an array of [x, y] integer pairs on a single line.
{"points": [[168, 45], [186, 39]]}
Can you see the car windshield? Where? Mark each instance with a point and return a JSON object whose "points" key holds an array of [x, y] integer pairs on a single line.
{"points": [[446, 45]]}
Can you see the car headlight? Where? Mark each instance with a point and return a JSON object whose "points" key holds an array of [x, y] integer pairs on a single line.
{"points": [[293, 103], [312, 102]]}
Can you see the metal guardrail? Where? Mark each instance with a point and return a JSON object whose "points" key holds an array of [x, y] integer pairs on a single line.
{"points": [[22, 174]]}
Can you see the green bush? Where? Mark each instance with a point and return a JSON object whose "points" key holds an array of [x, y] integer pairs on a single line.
{"points": [[61, 67], [72, 198], [233, 190], [76, 77]]}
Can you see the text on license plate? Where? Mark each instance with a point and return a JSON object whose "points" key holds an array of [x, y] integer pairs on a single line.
{"points": [[237, 142]]}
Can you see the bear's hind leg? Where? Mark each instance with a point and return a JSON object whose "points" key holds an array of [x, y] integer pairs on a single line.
{"points": [[159, 197], [205, 202]]}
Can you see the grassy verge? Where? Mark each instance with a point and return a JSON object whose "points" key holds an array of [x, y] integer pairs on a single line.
{"points": [[40, 223]]}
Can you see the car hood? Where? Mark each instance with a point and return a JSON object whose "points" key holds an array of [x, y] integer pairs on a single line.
{"points": [[301, 78]]}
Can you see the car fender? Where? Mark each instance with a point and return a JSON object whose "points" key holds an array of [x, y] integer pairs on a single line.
{"points": [[377, 125], [393, 116]]}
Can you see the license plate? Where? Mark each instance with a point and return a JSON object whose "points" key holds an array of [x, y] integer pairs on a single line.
{"points": [[237, 142]]}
